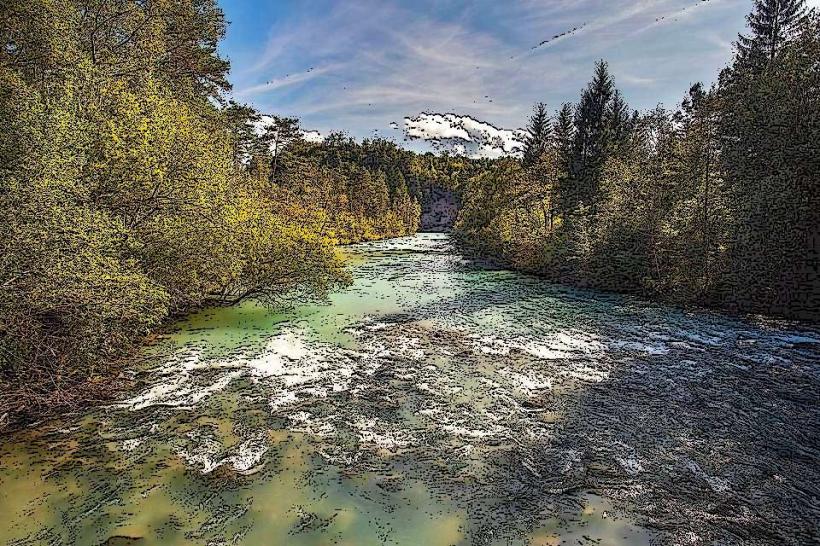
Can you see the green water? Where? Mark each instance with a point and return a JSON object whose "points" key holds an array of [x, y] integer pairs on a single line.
{"points": [[429, 403]]}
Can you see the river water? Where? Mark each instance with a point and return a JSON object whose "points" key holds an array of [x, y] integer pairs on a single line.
{"points": [[438, 402]]}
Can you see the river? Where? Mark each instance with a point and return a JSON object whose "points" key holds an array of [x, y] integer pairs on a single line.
{"points": [[438, 402]]}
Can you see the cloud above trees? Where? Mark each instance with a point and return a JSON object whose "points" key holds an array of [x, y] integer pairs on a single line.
{"points": [[464, 135]]}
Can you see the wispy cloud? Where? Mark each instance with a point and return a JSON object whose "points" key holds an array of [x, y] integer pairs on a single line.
{"points": [[377, 62], [287, 80]]}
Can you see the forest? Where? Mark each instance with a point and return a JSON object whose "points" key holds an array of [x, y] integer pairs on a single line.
{"points": [[715, 203], [133, 189]]}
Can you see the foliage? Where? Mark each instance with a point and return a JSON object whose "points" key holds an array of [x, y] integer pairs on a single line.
{"points": [[538, 135], [131, 191], [770, 150], [714, 204], [772, 24]]}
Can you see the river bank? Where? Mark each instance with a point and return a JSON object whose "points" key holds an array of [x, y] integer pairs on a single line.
{"points": [[494, 260], [28, 402]]}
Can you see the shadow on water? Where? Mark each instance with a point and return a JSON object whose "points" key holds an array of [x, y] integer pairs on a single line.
{"points": [[722, 449], [714, 436]]}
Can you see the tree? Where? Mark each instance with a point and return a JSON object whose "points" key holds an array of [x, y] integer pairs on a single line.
{"points": [[699, 157], [192, 32], [618, 119], [718, 203], [592, 136], [563, 137], [770, 155], [277, 133], [538, 135], [772, 24], [564, 134], [240, 120], [636, 193], [124, 194], [405, 207]]}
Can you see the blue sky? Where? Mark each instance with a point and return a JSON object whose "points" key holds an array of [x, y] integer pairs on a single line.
{"points": [[360, 65]]}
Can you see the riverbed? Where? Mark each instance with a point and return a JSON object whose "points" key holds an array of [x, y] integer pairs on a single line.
{"points": [[436, 402]]}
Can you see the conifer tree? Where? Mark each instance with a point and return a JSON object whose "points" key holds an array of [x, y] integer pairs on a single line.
{"points": [[618, 118], [769, 129], [772, 24], [538, 135], [563, 135], [278, 133], [592, 133], [240, 120]]}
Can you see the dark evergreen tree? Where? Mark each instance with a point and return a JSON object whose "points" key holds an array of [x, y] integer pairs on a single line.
{"points": [[592, 134], [240, 119], [769, 127], [538, 135], [395, 181], [278, 133], [563, 132], [618, 119], [772, 24]]}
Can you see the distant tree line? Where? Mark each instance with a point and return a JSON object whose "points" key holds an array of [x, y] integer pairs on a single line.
{"points": [[715, 203]]}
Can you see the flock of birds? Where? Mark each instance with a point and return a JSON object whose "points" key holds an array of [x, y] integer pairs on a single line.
{"points": [[672, 16], [679, 12]]}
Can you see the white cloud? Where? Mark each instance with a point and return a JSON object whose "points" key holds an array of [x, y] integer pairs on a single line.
{"points": [[266, 121], [635, 80], [313, 136], [464, 135]]}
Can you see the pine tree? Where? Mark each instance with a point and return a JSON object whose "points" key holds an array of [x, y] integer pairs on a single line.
{"points": [[592, 133], [240, 120], [769, 132], [563, 132], [618, 119], [401, 203], [379, 199], [278, 132], [696, 214], [538, 135], [772, 24], [395, 180]]}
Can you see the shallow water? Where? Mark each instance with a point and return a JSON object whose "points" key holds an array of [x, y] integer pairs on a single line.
{"points": [[436, 402]]}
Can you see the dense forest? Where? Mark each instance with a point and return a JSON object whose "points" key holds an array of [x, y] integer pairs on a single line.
{"points": [[715, 203], [133, 189]]}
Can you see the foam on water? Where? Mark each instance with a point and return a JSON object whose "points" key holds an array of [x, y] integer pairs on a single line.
{"points": [[438, 402]]}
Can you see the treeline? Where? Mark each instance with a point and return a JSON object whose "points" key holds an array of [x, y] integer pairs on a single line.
{"points": [[361, 187], [375, 180], [132, 190], [715, 203]]}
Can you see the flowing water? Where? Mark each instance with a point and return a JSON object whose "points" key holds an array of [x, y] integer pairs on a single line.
{"points": [[437, 402]]}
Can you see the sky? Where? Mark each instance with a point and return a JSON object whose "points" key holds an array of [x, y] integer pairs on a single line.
{"points": [[466, 73]]}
